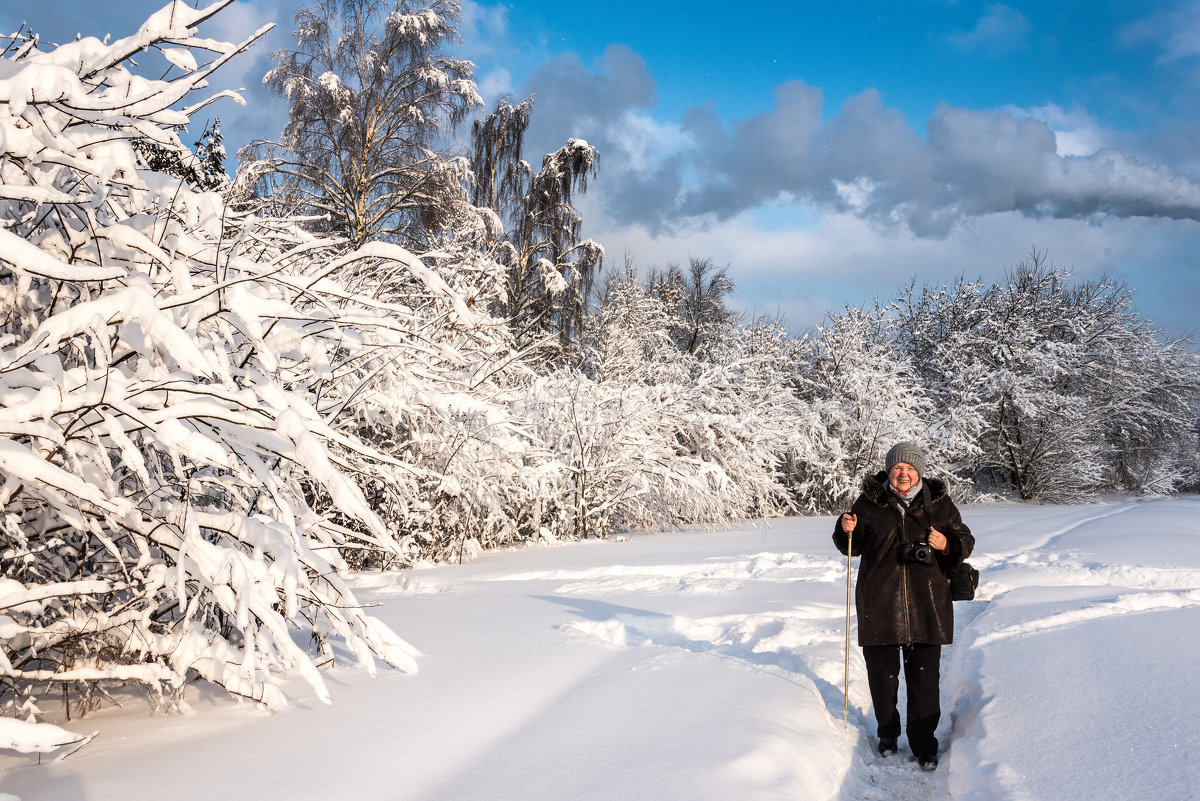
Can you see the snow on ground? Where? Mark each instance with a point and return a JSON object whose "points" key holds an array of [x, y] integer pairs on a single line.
{"points": [[696, 665]]}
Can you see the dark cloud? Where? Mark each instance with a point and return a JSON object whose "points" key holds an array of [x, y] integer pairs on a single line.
{"points": [[997, 163], [866, 159], [636, 175], [763, 156], [573, 100]]}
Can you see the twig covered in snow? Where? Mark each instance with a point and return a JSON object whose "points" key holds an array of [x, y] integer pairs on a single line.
{"points": [[159, 380]]}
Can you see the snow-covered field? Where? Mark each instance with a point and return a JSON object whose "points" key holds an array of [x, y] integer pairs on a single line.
{"points": [[694, 665]]}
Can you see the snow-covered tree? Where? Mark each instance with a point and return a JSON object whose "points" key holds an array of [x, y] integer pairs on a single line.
{"points": [[203, 168], [1151, 391], [550, 266], [868, 398], [371, 95], [743, 414], [630, 337], [728, 410], [697, 300], [1143, 391], [1059, 386], [176, 384], [210, 153]]}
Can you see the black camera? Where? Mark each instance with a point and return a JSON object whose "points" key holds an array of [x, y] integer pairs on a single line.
{"points": [[920, 552]]}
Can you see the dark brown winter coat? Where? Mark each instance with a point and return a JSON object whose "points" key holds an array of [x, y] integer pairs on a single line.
{"points": [[902, 602]]}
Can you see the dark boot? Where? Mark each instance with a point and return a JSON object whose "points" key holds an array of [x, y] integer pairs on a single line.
{"points": [[927, 761]]}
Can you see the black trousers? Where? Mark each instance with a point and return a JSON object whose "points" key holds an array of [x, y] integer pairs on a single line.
{"points": [[922, 672]]}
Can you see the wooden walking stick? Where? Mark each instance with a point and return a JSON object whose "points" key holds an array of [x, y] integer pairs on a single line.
{"points": [[846, 688]]}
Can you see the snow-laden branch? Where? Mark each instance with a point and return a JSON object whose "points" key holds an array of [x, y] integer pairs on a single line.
{"points": [[26, 738], [174, 502]]}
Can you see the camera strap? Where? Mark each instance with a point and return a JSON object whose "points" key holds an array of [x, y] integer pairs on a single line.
{"points": [[898, 508], [927, 498]]}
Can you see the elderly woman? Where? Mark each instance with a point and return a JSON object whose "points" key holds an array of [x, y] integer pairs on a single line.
{"points": [[909, 534]]}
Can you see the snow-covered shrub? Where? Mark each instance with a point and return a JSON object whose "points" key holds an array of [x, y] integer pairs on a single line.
{"points": [[743, 415], [867, 396], [611, 460], [711, 433], [172, 392], [437, 394], [1060, 389]]}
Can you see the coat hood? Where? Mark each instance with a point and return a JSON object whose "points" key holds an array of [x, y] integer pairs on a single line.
{"points": [[873, 488]]}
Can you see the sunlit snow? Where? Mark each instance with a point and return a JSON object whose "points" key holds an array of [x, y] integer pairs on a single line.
{"points": [[709, 665]]}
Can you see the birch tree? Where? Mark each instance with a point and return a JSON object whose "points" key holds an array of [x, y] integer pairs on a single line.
{"points": [[550, 266], [372, 96], [697, 299]]}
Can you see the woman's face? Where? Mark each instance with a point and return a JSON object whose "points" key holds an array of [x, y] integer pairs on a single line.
{"points": [[903, 476]]}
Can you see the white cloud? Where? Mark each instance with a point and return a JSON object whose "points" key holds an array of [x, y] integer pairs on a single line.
{"points": [[484, 29], [643, 142], [856, 194], [832, 260], [494, 85], [1076, 131], [1001, 29], [1175, 32]]}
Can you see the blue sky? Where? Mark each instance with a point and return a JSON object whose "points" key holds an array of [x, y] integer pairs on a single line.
{"points": [[831, 153]]}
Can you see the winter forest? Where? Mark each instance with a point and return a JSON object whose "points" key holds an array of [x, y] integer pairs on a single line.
{"points": [[383, 339]]}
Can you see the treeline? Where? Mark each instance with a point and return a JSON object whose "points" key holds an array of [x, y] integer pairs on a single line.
{"points": [[217, 397]]}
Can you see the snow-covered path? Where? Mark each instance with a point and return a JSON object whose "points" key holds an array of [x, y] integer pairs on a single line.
{"points": [[693, 665]]}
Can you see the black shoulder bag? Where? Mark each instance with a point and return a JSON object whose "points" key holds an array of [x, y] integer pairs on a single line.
{"points": [[964, 579]]}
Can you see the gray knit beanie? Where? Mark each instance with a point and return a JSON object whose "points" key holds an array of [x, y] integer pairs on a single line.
{"points": [[909, 453]]}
